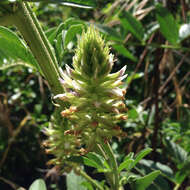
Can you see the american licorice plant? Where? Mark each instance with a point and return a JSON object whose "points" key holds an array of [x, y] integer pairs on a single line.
{"points": [[90, 103]]}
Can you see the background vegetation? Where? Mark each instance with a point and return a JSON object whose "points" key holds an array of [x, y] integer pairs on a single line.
{"points": [[152, 39]]}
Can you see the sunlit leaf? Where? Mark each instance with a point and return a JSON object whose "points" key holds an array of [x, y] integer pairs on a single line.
{"points": [[14, 52], [74, 182], [38, 184]]}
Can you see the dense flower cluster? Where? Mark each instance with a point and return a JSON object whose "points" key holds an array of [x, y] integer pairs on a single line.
{"points": [[95, 97]]}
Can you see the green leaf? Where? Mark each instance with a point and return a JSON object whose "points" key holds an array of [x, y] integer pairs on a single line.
{"points": [[143, 182], [133, 114], [129, 156], [111, 33], [122, 50], [126, 165], [130, 163], [180, 177], [38, 184], [53, 33], [72, 21], [85, 161], [96, 158], [72, 32], [87, 185], [167, 171], [133, 77], [13, 51], [168, 25], [132, 24], [178, 154], [74, 182], [59, 46], [73, 3], [162, 181], [141, 155]]}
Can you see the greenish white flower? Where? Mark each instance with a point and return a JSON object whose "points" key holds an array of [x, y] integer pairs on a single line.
{"points": [[95, 97]]}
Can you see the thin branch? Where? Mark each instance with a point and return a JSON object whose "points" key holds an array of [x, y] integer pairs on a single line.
{"points": [[140, 61], [12, 139], [172, 74], [13, 185]]}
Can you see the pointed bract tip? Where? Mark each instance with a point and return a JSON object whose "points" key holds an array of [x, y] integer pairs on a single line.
{"points": [[122, 71]]}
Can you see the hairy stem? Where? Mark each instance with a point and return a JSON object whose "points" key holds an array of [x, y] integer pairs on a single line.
{"points": [[43, 36], [113, 164], [32, 34]]}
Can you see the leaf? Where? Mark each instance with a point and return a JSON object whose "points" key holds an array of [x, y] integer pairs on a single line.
{"points": [[163, 180], [59, 46], [180, 177], [184, 171], [88, 185], [53, 33], [122, 50], [143, 182], [13, 51], [178, 154], [168, 25], [158, 166], [132, 114], [132, 24], [74, 3], [126, 165], [38, 184], [96, 158], [110, 32], [134, 76], [72, 32], [85, 161], [72, 21], [74, 182], [141, 155], [130, 155]]}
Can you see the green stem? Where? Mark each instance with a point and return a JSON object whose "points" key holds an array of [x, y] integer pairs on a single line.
{"points": [[177, 187], [109, 176], [43, 36], [88, 178], [23, 20], [113, 164]]}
